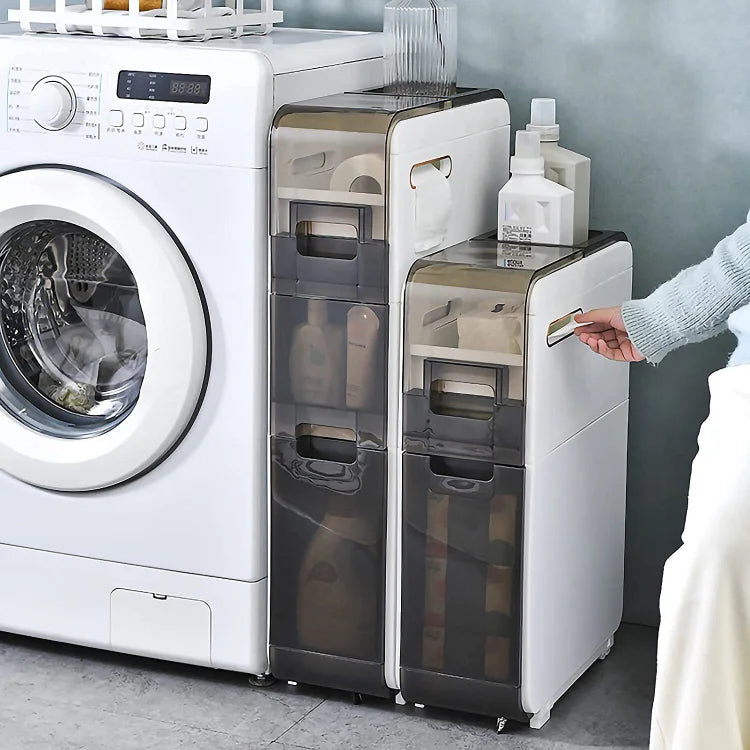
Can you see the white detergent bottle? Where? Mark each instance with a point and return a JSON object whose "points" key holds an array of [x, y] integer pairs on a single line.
{"points": [[562, 166], [532, 208]]}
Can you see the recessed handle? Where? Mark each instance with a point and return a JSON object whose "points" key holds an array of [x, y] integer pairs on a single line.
{"points": [[326, 444], [563, 328], [462, 468]]}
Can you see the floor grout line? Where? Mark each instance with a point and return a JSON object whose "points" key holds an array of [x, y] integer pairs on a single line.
{"points": [[302, 718]]}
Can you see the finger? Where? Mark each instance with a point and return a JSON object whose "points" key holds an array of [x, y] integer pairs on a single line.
{"points": [[593, 328], [603, 315], [604, 350], [592, 338], [631, 353], [615, 353]]}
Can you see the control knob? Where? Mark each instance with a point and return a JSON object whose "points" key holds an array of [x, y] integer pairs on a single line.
{"points": [[53, 103]]}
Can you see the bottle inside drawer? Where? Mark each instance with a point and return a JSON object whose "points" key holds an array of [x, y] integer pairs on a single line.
{"points": [[462, 578], [328, 366]]}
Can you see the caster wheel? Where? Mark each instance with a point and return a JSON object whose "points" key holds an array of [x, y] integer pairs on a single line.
{"points": [[607, 649], [357, 699], [261, 680], [502, 722]]}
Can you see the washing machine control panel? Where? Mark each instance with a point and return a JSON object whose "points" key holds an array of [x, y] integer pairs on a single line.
{"points": [[85, 104], [166, 111]]}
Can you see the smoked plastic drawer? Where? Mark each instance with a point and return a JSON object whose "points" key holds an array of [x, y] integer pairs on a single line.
{"points": [[464, 418], [462, 552], [328, 504], [328, 371], [346, 268]]}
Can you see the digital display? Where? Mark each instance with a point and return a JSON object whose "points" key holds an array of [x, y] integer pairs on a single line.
{"points": [[163, 87]]}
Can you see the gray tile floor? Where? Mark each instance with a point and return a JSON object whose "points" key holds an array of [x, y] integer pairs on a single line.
{"points": [[56, 697]]}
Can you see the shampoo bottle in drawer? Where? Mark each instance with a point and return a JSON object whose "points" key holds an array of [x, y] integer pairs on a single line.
{"points": [[362, 327], [338, 583], [532, 208], [315, 367], [562, 166]]}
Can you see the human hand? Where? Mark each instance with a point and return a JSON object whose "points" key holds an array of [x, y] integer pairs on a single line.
{"points": [[606, 335]]}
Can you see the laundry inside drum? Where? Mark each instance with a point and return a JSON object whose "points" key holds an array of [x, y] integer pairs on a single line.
{"points": [[74, 342]]}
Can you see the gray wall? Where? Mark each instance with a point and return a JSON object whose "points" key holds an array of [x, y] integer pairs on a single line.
{"points": [[657, 94]]}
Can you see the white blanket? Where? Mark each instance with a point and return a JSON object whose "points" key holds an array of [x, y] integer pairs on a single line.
{"points": [[703, 683]]}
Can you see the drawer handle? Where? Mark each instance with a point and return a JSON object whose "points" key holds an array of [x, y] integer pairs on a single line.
{"points": [[457, 468], [562, 328], [327, 449]]}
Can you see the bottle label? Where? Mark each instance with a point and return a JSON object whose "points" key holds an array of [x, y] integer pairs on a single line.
{"points": [[513, 233]]}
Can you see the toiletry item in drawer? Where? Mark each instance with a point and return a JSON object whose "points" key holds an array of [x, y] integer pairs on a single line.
{"points": [[315, 358], [337, 612], [362, 326], [492, 325]]}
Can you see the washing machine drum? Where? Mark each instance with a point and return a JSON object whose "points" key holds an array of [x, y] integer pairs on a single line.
{"points": [[103, 333], [75, 339]]}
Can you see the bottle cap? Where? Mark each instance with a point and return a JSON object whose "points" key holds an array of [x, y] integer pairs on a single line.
{"points": [[317, 312], [544, 120], [528, 158]]}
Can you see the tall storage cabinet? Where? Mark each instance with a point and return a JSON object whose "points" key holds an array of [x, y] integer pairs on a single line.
{"points": [[363, 184], [515, 440]]}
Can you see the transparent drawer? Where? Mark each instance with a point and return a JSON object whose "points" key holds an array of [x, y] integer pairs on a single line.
{"points": [[330, 252], [464, 410], [328, 501], [329, 370], [462, 568]]}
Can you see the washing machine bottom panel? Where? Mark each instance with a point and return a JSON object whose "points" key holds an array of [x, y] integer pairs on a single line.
{"points": [[211, 622]]}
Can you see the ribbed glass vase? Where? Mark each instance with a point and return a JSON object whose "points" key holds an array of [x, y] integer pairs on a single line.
{"points": [[422, 47]]}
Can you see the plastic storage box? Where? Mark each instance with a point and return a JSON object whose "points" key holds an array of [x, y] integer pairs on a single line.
{"points": [[363, 184], [515, 449]]}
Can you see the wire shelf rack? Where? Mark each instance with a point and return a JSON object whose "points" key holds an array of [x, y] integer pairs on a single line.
{"points": [[177, 20]]}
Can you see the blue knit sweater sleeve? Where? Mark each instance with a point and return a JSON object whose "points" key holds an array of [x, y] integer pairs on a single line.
{"points": [[695, 304]]}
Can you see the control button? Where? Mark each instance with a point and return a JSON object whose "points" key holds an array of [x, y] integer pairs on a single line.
{"points": [[159, 122], [180, 122], [138, 120], [116, 118], [201, 124]]}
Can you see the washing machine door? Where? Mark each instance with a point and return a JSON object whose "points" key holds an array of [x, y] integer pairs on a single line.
{"points": [[103, 333]]}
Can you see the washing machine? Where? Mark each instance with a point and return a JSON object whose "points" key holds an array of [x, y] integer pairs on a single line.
{"points": [[133, 353]]}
